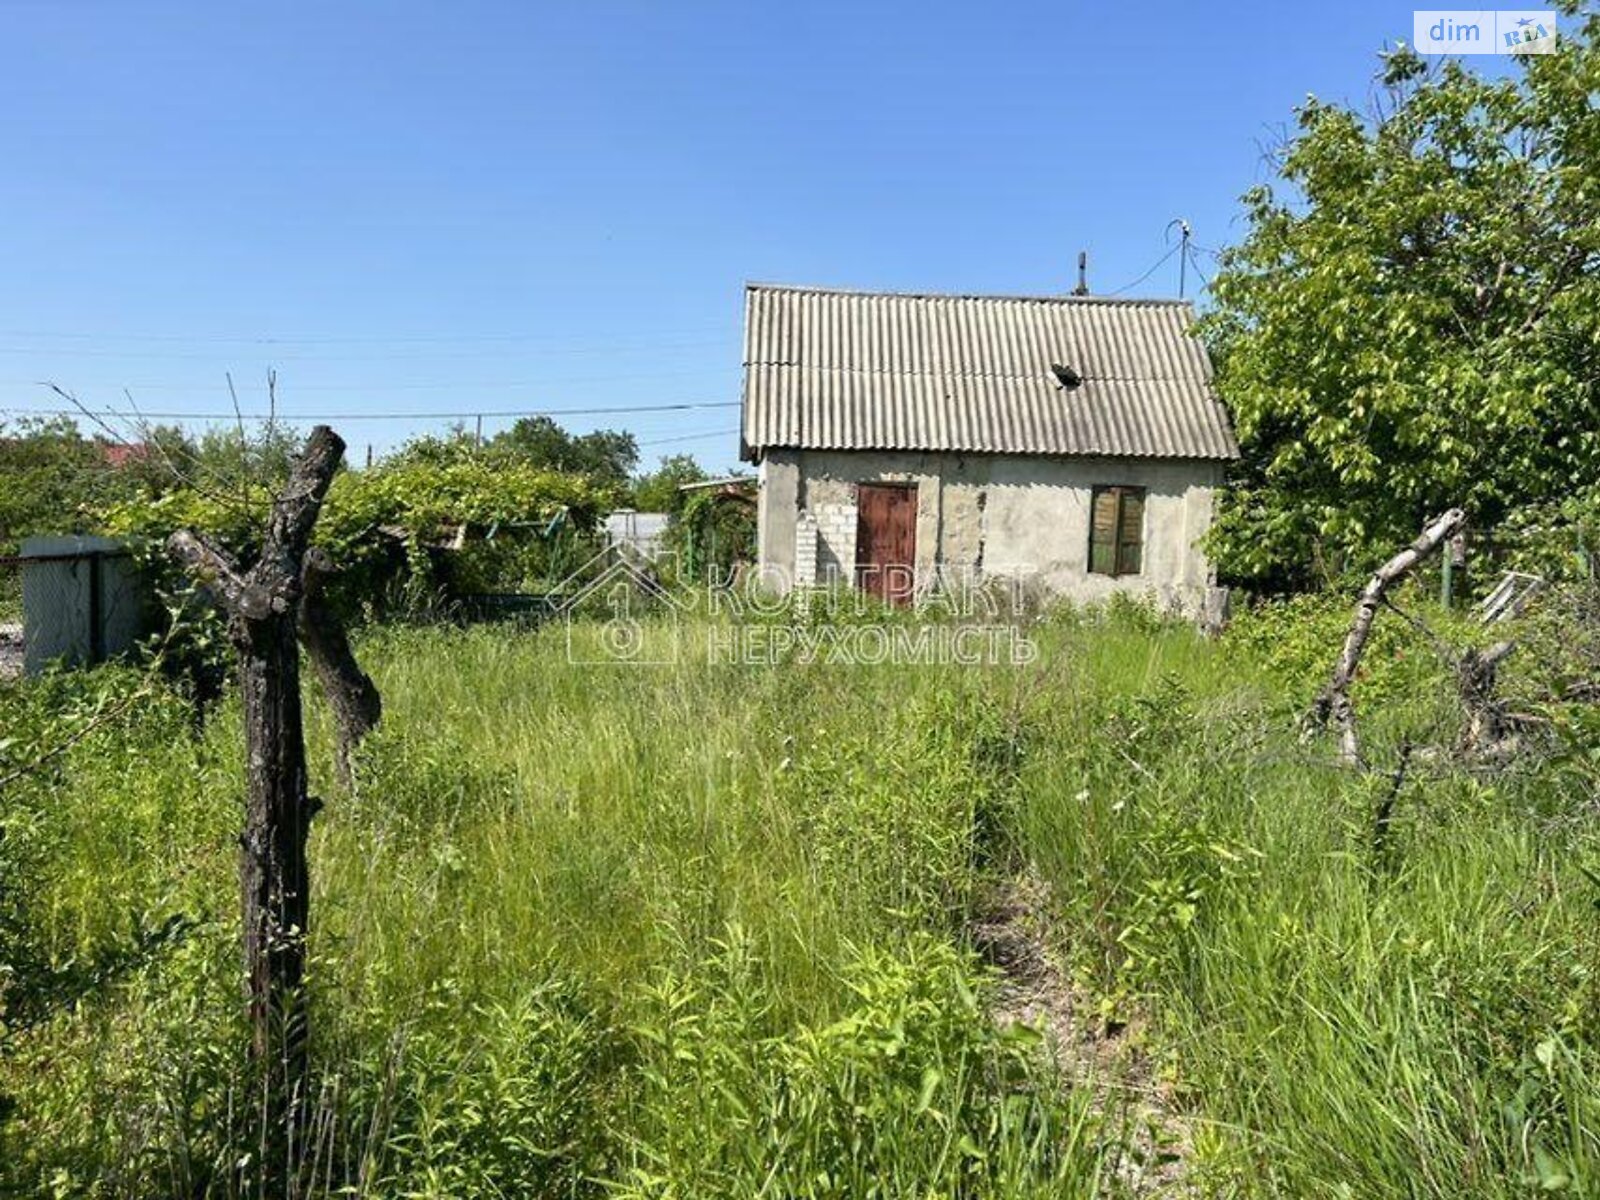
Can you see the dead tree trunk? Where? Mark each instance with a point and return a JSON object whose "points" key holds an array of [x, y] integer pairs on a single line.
{"points": [[263, 610], [1476, 674], [351, 693], [1333, 704]]}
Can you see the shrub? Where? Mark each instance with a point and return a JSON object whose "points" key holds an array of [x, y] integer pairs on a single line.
{"points": [[385, 526]]}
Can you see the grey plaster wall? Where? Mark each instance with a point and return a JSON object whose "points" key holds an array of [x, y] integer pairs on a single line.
{"points": [[987, 516]]}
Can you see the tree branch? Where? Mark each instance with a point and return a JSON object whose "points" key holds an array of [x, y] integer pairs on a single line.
{"points": [[295, 510], [238, 594], [1333, 704], [352, 695]]}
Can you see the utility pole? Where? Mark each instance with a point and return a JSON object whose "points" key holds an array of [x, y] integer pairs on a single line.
{"points": [[1183, 259], [477, 434], [1183, 253]]}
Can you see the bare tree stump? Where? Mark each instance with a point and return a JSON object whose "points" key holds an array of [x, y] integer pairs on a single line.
{"points": [[1333, 703], [1476, 675], [263, 611]]}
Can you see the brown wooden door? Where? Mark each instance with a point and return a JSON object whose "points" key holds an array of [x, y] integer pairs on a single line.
{"points": [[886, 540]]}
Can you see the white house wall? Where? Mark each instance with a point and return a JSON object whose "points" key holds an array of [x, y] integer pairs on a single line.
{"points": [[1017, 516]]}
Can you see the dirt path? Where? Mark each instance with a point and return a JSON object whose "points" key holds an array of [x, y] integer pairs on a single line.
{"points": [[1013, 935]]}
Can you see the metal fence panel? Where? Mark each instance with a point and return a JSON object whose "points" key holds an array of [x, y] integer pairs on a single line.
{"points": [[75, 600]]}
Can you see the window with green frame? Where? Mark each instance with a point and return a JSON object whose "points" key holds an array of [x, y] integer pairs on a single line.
{"points": [[1116, 531]]}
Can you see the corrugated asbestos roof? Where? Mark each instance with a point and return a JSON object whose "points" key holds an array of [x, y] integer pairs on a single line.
{"points": [[843, 370]]}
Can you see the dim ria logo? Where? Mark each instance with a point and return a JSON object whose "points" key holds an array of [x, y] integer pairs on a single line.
{"points": [[1484, 31]]}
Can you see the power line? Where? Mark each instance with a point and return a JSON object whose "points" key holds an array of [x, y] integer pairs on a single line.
{"points": [[330, 339], [1183, 252], [432, 386], [687, 437], [616, 350], [1153, 269], [454, 414]]}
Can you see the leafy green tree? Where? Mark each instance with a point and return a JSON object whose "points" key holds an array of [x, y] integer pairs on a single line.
{"points": [[234, 455], [658, 490], [51, 480], [1413, 321], [459, 445], [605, 456]]}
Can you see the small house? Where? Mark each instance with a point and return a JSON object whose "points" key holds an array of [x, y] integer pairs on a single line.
{"points": [[902, 441]]}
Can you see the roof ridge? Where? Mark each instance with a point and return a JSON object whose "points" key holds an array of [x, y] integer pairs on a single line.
{"points": [[1064, 298], [945, 372]]}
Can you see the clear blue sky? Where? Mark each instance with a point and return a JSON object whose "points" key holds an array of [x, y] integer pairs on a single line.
{"points": [[469, 207]]}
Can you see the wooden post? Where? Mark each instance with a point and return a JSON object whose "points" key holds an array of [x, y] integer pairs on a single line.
{"points": [[263, 610]]}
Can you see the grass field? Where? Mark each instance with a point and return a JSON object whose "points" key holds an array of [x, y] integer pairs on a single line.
{"points": [[707, 931]]}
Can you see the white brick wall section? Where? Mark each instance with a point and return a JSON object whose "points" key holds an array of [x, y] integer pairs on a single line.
{"points": [[836, 535], [805, 551]]}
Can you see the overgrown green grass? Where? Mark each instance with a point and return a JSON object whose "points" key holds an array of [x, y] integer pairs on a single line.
{"points": [[1349, 1011], [695, 931], [675, 931]]}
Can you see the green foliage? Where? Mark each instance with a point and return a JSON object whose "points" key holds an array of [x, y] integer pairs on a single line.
{"points": [[657, 491], [55, 480], [700, 930], [710, 532], [386, 525], [912, 1091], [224, 461], [80, 921], [161, 1116], [578, 931], [427, 501], [1559, 539], [605, 456], [1297, 639], [1342, 1022], [1414, 323], [511, 1109], [51, 479]]}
